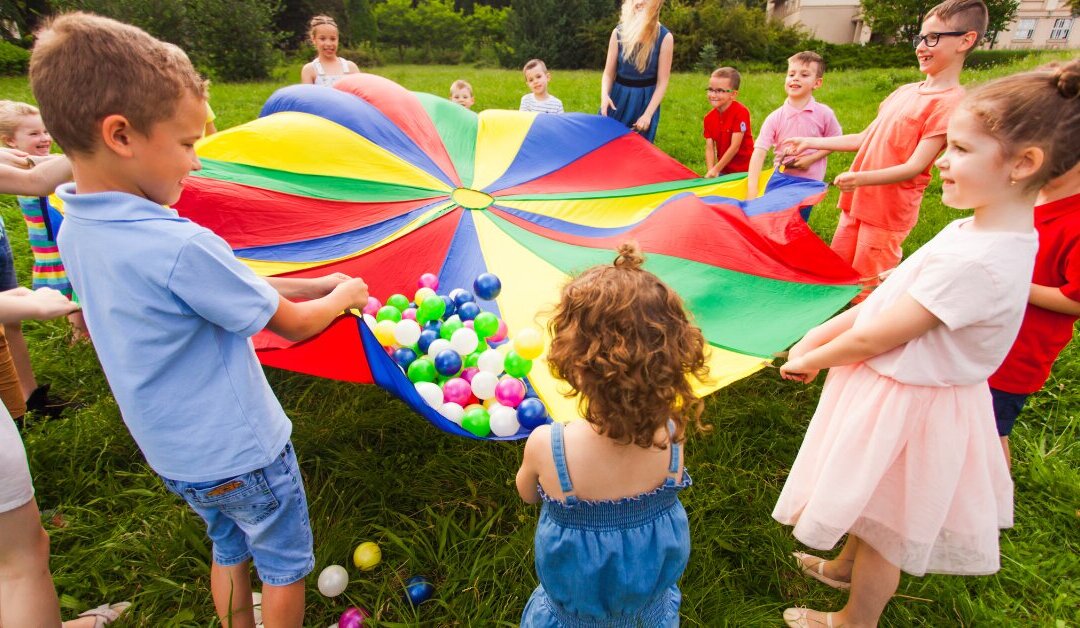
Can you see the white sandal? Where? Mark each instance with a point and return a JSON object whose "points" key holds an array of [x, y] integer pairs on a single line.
{"points": [[106, 613], [796, 618], [817, 571]]}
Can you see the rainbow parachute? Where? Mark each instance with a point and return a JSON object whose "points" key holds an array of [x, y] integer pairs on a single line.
{"points": [[375, 181]]}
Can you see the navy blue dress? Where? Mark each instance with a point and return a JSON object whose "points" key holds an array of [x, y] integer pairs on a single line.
{"points": [[633, 90]]}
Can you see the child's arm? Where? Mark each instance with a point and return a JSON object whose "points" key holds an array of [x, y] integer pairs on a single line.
{"points": [[528, 476], [802, 163], [40, 181], [1053, 299], [306, 288], [710, 155], [905, 320], [757, 162], [608, 78], [848, 143], [42, 304], [925, 152], [663, 75], [307, 75], [300, 321], [729, 154], [824, 333]]}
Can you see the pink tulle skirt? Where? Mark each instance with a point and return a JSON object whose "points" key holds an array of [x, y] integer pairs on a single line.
{"points": [[915, 471]]}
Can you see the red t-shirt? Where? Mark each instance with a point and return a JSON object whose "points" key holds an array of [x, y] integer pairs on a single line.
{"points": [[720, 125], [1044, 333]]}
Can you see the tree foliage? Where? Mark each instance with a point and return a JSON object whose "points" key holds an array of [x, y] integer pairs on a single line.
{"points": [[561, 32], [903, 18]]}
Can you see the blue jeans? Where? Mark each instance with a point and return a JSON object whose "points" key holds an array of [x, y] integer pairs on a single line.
{"points": [[261, 515], [8, 280]]}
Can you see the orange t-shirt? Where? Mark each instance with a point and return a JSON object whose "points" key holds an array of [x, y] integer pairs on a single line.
{"points": [[909, 115]]}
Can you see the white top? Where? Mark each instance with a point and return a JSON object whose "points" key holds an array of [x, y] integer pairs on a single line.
{"points": [[328, 80], [550, 104], [977, 283], [15, 487]]}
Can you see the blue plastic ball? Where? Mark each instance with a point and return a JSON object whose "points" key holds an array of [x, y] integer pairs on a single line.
{"points": [[495, 343], [418, 590], [448, 362], [427, 337], [404, 356], [435, 326], [531, 413], [487, 286], [468, 310], [463, 297], [451, 307]]}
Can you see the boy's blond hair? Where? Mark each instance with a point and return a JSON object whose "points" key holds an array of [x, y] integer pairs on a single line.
{"points": [[459, 85], [963, 15], [808, 57], [85, 67], [11, 114], [730, 74], [532, 63]]}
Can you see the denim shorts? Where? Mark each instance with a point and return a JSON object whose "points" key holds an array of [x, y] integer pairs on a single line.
{"points": [[1007, 407], [261, 515], [8, 280]]}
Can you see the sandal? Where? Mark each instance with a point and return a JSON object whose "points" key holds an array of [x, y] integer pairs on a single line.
{"points": [[106, 613], [817, 571], [796, 618]]}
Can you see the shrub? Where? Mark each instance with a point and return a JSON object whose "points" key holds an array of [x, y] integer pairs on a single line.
{"points": [[13, 59]]}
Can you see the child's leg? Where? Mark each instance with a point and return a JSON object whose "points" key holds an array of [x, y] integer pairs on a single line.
{"points": [[230, 587], [10, 389], [27, 596], [846, 237], [21, 355], [873, 583], [876, 251], [284, 605]]}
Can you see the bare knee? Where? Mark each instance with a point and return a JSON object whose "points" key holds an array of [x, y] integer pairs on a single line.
{"points": [[28, 557]]}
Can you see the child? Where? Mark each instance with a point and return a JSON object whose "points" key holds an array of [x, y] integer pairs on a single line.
{"points": [[461, 93], [880, 196], [637, 68], [902, 454], [729, 141], [800, 115], [1053, 305], [171, 309], [21, 128], [613, 539], [30, 598], [327, 68], [537, 78]]}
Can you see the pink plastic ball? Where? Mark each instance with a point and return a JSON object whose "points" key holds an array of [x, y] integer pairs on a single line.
{"points": [[509, 392], [372, 306], [499, 335], [353, 617], [468, 324], [409, 313], [457, 391], [428, 280], [468, 373]]}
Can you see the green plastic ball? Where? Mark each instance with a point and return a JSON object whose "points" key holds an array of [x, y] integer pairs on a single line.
{"points": [[388, 313], [472, 359], [398, 301], [431, 310], [451, 325], [515, 365], [485, 325], [422, 370], [477, 421]]}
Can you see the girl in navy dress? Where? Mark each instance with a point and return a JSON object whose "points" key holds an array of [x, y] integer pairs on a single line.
{"points": [[638, 67]]}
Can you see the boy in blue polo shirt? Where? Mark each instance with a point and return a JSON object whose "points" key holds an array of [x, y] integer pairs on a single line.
{"points": [[171, 310]]}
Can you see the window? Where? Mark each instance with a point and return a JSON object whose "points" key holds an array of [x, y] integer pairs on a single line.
{"points": [[1025, 29], [1061, 28]]}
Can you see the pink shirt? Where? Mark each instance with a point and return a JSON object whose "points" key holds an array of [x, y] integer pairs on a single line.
{"points": [[813, 120]]}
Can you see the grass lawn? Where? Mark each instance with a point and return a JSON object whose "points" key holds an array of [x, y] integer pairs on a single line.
{"points": [[446, 507]]}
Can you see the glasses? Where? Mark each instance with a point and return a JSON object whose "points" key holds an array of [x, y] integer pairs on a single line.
{"points": [[717, 90], [932, 39]]}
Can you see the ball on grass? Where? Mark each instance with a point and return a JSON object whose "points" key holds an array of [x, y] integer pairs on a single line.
{"points": [[367, 555], [333, 581], [418, 590]]}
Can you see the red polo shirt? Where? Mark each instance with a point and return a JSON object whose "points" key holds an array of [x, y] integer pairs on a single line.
{"points": [[1044, 333], [720, 125]]}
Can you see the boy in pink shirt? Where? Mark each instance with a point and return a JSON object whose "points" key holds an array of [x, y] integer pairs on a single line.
{"points": [[881, 194], [799, 116]]}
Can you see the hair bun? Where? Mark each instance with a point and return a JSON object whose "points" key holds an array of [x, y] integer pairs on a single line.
{"points": [[629, 255], [1066, 78]]}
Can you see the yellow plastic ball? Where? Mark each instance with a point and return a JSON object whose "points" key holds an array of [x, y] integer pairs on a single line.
{"points": [[366, 556], [528, 343], [422, 294], [384, 332]]}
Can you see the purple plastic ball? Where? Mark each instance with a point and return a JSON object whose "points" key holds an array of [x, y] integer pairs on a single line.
{"points": [[353, 617]]}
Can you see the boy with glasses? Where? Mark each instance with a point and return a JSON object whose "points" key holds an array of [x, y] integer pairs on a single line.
{"points": [[728, 140], [881, 194]]}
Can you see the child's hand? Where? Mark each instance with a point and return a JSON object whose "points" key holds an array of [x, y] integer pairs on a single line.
{"points": [[354, 291], [847, 181], [322, 286], [796, 370], [606, 104], [643, 123], [15, 158], [49, 303], [799, 163], [795, 146]]}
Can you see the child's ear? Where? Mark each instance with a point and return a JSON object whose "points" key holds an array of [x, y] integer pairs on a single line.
{"points": [[970, 38], [116, 134], [7, 141], [1027, 163]]}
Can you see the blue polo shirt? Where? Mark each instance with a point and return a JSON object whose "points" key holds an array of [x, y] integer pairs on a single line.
{"points": [[171, 311]]}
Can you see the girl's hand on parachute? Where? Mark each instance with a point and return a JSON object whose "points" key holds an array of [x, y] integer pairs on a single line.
{"points": [[643, 123], [794, 146], [353, 291], [322, 286], [796, 370], [799, 163], [606, 104], [15, 158]]}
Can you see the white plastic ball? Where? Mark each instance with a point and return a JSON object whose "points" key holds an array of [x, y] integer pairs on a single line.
{"points": [[406, 332], [504, 421], [464, 341], [484, 383], [456, 291], [438, 346], [333, 581], [370, 320], [491, 361], [452, 412], [432, 394]]}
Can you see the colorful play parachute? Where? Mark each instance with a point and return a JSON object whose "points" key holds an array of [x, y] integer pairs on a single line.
{"points": [[375, 181]]}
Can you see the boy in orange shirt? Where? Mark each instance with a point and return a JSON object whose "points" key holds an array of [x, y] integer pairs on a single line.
{"points": [[881, 194]]}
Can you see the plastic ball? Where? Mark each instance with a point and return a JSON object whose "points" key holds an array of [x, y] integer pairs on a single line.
{"points": [[491, 361], [384, 332], [431, 310], [452, 411], [400, 302], [532, 413], [407, 332], [472, 359], [509, 392], [456, 291], [388, 313], [428, 280], [422, 294], [450, 306], [333, 581], [437, 346], [485, 324], [366, 556], [468, 310], [427, 337], [435, 325], [418, 590], [403, 357], [463, 297], [487, 286], [457, 391], [468, 373], [477, 421], [501, 333], [504, 421], [409, 314], [448, 362], [495, 344], [449, 326], [515, 365], [432, 394], [484, 384], [372, 306], [353, 617], [421, 370], [464, 341], [528, 343], [370, 321]]}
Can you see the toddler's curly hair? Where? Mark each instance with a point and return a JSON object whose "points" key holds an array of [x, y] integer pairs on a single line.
{"points": [[622, 339]]}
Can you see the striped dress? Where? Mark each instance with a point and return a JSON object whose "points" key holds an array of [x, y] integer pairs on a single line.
{"points": [[41, 228]]}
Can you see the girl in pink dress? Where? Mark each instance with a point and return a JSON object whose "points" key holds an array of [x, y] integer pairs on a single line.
{"points": [[902, 453]]}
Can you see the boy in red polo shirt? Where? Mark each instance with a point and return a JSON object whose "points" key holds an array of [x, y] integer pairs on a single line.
{"points": [[728, 140], [1053, 307]]}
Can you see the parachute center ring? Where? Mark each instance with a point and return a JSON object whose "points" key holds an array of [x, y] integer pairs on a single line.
{"points": [[471, 199]]}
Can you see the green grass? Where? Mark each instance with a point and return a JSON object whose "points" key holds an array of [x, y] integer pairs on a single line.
{"points": [[446, 507]]}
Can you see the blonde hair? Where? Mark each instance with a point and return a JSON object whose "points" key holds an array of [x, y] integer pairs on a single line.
{"points": [[638, 30], [320, 20], [85, 67], [731, 74], [459, 85], [963, 15], [532, 63], [808, 57], [11, 114]]}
